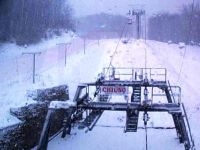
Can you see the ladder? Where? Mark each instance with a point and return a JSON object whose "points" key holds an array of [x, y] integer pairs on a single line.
{"points": [[131, 121], [91, 120], [136, 95], [181, 124]]}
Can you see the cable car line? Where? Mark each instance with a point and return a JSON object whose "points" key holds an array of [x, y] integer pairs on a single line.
{"points": [[189, 37], [122, 32]]}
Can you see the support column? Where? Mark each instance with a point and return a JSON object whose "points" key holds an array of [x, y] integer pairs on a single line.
{"points": [[43, 143]]}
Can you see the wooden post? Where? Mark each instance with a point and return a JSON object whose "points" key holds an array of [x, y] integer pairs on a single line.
{"points": [[33, 63], [65, 54], [65, 50], [84, 45], [17, 67], [33, 68]]}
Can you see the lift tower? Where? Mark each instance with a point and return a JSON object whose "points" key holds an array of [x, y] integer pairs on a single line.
{"points": [[138, 14]]}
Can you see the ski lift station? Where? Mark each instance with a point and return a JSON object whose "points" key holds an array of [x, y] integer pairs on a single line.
{"points": [[136, 89]]}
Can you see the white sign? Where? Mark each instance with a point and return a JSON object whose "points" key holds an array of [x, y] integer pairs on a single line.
{"points": [[114, 90]]}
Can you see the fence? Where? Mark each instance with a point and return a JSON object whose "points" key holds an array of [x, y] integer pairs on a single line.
{"points": [[22, 65]]}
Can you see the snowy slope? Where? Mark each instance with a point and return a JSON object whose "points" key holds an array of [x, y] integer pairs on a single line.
{"points": [[84, 68], [10, 51], [132, 55], [14, 90]]}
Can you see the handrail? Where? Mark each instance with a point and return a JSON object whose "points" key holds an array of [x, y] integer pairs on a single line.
{"points": [[132, 70], [179, 97], [171, 92], [188, 126]]}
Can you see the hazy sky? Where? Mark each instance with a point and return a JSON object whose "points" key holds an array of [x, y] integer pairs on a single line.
{"points": [[87, 7]]}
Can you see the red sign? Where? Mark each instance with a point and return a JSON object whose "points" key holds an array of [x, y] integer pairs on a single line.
{"points": [[114, 89]]}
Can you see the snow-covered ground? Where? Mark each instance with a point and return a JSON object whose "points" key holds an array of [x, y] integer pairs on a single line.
{"points": [[85, 67], [50, 71]]}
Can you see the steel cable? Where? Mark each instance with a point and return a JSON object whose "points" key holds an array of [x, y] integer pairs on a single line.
{"points": [[189, 36], [122, 32]]}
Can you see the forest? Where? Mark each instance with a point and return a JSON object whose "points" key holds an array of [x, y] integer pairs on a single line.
{"points": [[101, 22], [178, 27], [27, 21]]}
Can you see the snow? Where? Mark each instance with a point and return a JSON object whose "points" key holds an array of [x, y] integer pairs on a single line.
{"points": [[85, 68], [11, 51], [59, 104], [181, 45], [50, 71], [113, 138], [169, 42]]}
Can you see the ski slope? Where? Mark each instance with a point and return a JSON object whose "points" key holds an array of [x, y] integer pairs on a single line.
{"points": [[109, 134]]}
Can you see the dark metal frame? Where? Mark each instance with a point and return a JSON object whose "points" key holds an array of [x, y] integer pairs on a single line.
{"points": [[134, 70], [96, 108]]}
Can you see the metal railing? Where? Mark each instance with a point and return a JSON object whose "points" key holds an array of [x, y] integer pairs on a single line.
{"points": [[136, 74], [175, 92], [191, 140]]}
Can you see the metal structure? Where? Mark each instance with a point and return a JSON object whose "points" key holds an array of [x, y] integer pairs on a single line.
{"points": [[128, 83], [136, 14]]}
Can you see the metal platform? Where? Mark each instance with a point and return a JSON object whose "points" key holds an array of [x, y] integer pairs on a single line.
{"points": [[112, 83]]}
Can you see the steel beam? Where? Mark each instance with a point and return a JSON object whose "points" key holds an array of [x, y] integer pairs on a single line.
{"points": [[127, 83], [44, 138], [171, 108]]}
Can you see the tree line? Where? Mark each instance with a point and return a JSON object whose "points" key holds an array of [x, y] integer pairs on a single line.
{"points": [[178, 27], [100, 23], [27, 21]]}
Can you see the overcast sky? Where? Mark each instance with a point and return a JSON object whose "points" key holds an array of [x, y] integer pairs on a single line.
{"points": [[87, 7]]}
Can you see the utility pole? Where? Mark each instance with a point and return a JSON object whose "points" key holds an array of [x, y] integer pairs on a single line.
{"points": [[65, 50], [33, 62]]}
